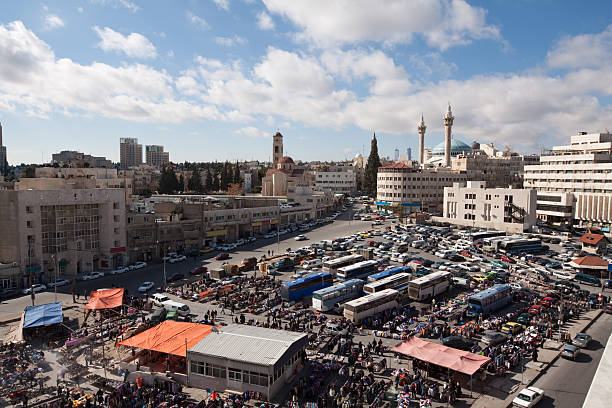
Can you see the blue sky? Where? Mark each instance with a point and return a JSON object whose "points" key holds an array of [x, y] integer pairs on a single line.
{"points": [[214, 79]]}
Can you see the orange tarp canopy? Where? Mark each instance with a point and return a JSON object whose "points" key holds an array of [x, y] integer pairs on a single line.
{"points": [[443, 356], [105, 299], [169, 337], [221, 289]]}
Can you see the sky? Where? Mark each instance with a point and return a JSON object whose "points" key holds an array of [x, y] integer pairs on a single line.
{"points": [[215, 79]]}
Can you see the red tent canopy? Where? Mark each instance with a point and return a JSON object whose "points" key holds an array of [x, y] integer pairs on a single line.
{"points": [[169, 337], [105, 299], [434, 353]]}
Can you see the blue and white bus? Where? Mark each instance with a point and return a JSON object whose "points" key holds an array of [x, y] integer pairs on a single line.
{"points": [[391, 282], [360, 308], [388, 272], [489, 300], [331, 297], [303, 287], [510, 246], [333, 265], [481, 235], [357, 271]]}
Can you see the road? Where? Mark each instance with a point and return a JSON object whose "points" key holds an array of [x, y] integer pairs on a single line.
{"points": [[566, 383], [342, 226]]}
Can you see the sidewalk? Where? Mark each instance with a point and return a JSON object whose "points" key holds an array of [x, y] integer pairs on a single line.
{"points": [[499, 392]]}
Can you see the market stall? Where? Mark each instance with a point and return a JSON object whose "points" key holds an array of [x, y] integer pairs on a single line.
{"points": [[42, 320]]}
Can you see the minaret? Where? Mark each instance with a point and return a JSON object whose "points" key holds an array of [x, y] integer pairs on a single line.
{"points": [[277, 148], [421, 129], [448, 124]]}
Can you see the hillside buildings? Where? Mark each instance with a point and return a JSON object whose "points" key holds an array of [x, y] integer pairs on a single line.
{"points": [[130, 152], [72, 158], [574, 182], [472, 204]]}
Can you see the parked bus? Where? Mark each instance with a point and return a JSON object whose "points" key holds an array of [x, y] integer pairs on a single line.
{"points": [[389, 282], [429, 286], [358, 270], [478, 236], [520, 245], [333, 265], [388, 272], [489, 300], [303, 287], [358, 309], [331, 297]]}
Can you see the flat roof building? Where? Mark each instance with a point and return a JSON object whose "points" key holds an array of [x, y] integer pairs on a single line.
{"points": [[155, 156], [130, 152], [246, 358]]}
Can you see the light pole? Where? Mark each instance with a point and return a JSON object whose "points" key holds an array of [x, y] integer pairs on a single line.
{"points": [[54, 256], [164, 261], [30, 269]]}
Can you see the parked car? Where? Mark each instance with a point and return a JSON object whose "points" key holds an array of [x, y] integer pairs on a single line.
{"points": [[176, 276], [146, 286], [494, 338], [120, 270], [178, 258], [198, 270], [570, 351], [458, 342], [301, 238], [138, 265], [37, 287], [92, 275], [529, 397], [221, 256], [582, 340], [58, 283]]}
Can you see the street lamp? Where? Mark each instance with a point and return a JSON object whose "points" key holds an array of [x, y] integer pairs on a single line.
{"points": [[164, 260]]}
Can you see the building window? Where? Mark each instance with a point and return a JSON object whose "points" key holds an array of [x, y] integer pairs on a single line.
{"points": [[29, 209], [115, 206], [29, 224], [116, 218], [235, 374], [197, 367], [213, 370], [116, 244]]}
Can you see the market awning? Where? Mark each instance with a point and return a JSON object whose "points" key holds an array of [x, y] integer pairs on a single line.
{"points": [[590, 262], [169, 337], [43, 315], [448, 357], [105, 299]]}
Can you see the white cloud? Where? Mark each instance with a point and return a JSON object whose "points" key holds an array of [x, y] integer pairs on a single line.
{"points": [[133, 45], [196, 21], [80, 9], [264, 21], [252, 132], [131, 6], [230, 41], [52, 21], [222, 4], [170, 54], [586, 50], [443, 23]]}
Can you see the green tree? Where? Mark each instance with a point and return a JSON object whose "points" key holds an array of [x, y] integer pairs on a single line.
{"points": [[371, 170], [168, 182], [28, 172], [236, 178], [195, 182], [181, 183], [209, 180], [215, 179]]}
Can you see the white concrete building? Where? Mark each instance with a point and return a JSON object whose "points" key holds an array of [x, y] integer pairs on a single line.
{"points": [[574, 182], [472, 204], [338, 182]]}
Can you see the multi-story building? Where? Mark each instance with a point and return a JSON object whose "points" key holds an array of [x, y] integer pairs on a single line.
{"points": [[338, 182], [3, 159], [574, 182], [497, 171], [63, 225], [472, 204], [155, 155], [72, 158], [402, 185], [130, 152]]}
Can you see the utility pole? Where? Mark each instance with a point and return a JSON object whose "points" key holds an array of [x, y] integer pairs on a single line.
{"points": [[30, 269], [54, 256]]}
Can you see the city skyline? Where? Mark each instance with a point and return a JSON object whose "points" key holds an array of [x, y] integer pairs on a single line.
{"points": [[214, 80]]}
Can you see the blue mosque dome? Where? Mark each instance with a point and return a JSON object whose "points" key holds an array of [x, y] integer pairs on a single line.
{"points": [[457, 148]]}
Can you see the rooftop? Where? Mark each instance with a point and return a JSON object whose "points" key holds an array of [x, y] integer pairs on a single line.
{"points": [[396, 165], [251, 344], [590, 238]]}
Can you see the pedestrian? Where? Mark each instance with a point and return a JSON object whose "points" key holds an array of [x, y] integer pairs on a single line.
{"points": [[534, 355]]}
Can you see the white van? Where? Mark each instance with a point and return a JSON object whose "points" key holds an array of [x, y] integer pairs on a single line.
{"points": [[181, 309], [418, 243], [159, 299], [311, 263]]}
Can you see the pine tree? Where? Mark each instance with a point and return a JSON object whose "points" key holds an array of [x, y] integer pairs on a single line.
{"points": [[236, 178], [215, 179], [181, 183], [371, 170], [209, 180], [168, 183], [195, 182]]}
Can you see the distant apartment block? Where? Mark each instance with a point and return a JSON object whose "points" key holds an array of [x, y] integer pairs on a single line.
{"points": [[155, 156], [338, 182], [71, 158], [130, 152], [472, 204], [3, 159]]}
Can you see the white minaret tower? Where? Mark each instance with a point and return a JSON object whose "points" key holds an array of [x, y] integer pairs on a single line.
{"points": [[421, 129], [448, 124]]}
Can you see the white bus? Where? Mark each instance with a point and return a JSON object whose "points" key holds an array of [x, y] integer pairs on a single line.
{"points": [[429, 286], [358, 309], [356, 271], [333, 265], [391, 282], [331, 297]]}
